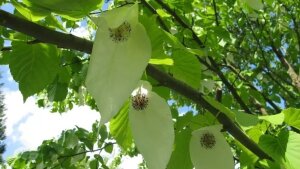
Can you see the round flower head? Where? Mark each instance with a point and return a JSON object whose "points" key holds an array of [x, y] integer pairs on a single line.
{"points": [[209, 149], [121, 33], [121, 52], [152, 126], [207, 140]]}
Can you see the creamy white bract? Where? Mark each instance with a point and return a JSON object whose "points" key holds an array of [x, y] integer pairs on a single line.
{"points": [[120, 54], [209, 149], [152, 128]]}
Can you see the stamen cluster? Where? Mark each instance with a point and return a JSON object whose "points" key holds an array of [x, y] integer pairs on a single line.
{"points": [[121, 33], [207, 140]]}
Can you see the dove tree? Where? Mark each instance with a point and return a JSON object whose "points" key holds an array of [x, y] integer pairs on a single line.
{"points": [[185, 84]]}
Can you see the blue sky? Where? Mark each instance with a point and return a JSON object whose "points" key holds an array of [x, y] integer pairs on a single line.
{"points": [[26, 123]]}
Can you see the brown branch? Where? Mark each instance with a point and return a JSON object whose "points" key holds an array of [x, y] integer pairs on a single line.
{"points": [[280, 85], [233, 69], [214, 68], [44, 34], [181, 22], [296, 27], [84, 152], [214, 64], [291, 72], [216, 12], [71, 42]]}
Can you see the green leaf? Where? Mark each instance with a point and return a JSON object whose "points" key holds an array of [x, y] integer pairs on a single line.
{"points": [[94, 164], [180, 158], [70, 140], [220, 107], [85, 137], [274, 146], [157, 37], [276, 119], [186, 68], [30, 13], [58, 90], [284, 148], [202, 120], [255, 132], [152, 129], [4, 58], [246, 121], [69, 9], [166, 61], [292, 117], [292, 153], [221, 33], [103, 133], [254, 4], [183, 121], [217, 156], [120, 129], [116, 65], [108, 148], [54, 23], [33, 66]]}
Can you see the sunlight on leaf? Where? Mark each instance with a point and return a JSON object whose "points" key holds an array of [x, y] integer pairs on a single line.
{"points": [[120, 129], [166, 61], [276, 119], [292, 117]]}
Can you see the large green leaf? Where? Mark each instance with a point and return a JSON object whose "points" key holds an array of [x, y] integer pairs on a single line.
{"points": [[186, 68], [120, 129], [180, 158], [157, 37], [285, 148], [246, 121], [116, 65], [292, 117], [209, 154], [152, 130], [33, 66], [30, 13], [292, 153], [69, 9], [276, 119], [58, 89]]}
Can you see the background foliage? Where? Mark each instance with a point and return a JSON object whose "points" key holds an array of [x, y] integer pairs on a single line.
{"points": [[237, 57]]}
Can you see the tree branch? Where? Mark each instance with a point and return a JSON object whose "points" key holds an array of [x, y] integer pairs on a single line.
{"points": [[233, 69], [291, 72], [181, 22], [214, 67], [84, 152], [71, 42], [216, 12], [44, 34]]}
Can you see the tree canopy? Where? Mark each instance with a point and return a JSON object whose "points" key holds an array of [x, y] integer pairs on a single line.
{"points": [[232, 64]]}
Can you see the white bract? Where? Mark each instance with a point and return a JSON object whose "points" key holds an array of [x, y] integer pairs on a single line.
{"points": [[120, 54], [209, 149], [152, 126]]}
